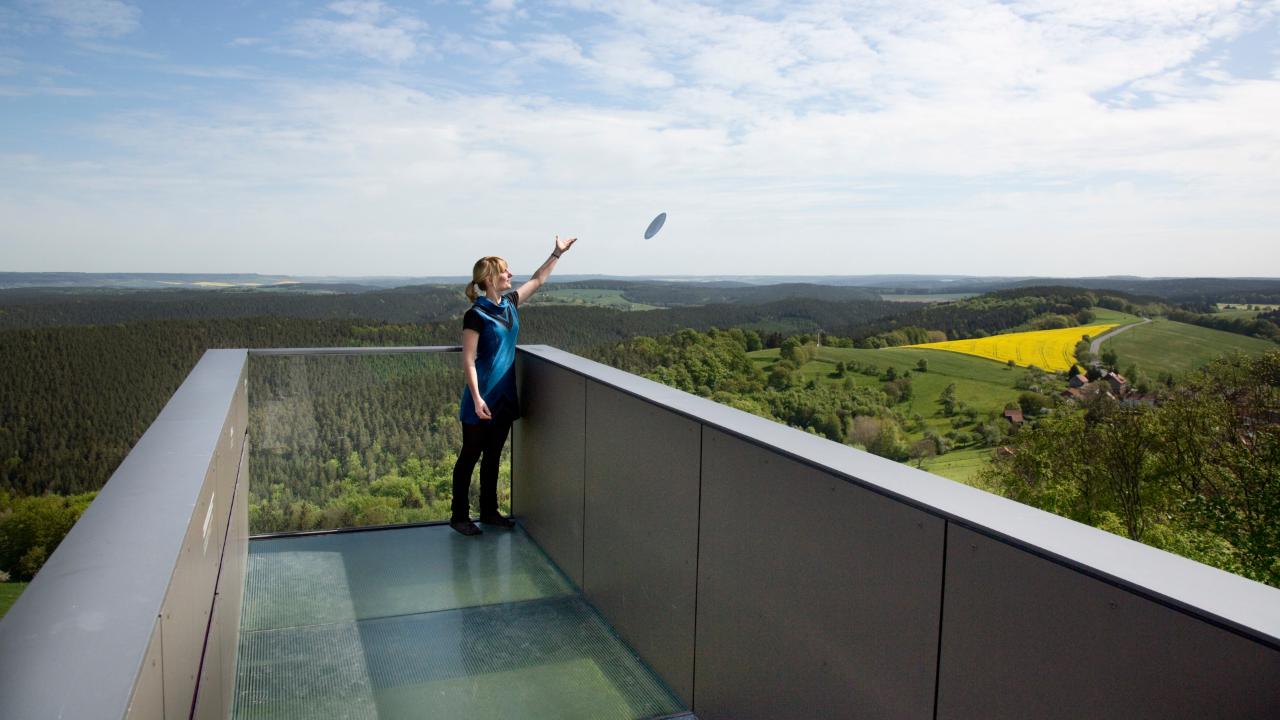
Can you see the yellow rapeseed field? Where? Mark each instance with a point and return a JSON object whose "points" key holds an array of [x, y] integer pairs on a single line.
{"points": [[1047, 349]]}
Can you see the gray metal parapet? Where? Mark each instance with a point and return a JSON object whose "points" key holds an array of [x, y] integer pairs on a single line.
{"points": [[766, 572], [128, 614]]}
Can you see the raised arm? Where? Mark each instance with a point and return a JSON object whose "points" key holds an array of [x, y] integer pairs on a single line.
{"points": [[529, 288]]}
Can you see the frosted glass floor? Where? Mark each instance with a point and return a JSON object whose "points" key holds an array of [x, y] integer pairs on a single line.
{"points": [[521, 646], [336, 577]]}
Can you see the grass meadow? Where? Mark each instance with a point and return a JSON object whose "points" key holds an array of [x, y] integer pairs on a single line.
{"points": [[1178, 348], [1103, 316], [9, 592], [1243, 311], [589, 296], [961, 465], [927, 297], [982, 384]]}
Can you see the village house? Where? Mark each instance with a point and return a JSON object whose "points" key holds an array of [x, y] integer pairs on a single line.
{"points": [[1119, 385]]}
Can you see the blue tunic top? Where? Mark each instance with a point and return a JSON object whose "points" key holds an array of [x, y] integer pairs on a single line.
{"points": [[498, 325]]}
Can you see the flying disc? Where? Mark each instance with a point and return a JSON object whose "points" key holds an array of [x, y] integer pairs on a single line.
{"points": [[655, 226]]}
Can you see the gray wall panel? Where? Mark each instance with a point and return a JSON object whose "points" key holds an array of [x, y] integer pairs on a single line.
{"points": [[642, 527], [231, 585], [547, 480], [209, 699], [816, 598], [217, 680], [147, 702], [1025, 637], [184, 617]]}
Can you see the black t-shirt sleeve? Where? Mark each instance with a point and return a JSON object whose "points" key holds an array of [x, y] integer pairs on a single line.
{"points": [[515, 297], [471, 320]]}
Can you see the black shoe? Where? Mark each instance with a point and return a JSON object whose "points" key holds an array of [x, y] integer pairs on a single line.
{"points": [[465, 527], [498, 520]]}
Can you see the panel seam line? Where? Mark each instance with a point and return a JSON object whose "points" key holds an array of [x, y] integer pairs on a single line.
{"points": [[697, 565], [942, 607]]}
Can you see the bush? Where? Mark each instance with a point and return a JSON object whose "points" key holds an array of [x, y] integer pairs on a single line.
{"points": [[32, 527], [1052, 322], [1033, 404]]}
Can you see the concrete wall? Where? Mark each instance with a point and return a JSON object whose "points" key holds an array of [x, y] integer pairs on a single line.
{"points": [[764, 572]]}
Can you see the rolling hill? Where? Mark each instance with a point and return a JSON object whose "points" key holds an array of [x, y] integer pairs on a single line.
{"points": [[1177, 348]]}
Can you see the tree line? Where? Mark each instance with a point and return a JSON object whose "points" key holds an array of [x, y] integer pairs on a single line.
{"points": [[42, 307]]}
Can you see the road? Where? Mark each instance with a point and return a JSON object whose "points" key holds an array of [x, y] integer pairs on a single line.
{"points": [[1095, 347]]}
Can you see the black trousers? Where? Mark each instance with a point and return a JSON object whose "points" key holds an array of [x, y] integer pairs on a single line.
{"points": [[481, 439]]}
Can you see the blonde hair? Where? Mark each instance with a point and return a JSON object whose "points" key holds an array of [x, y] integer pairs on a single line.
{"points": [[486, 268]]}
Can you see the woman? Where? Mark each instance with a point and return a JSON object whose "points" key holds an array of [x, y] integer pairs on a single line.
{"points": [[489, 403]]}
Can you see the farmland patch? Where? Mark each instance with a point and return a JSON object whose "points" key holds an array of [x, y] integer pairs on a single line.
{"points": [[1046, 349]]}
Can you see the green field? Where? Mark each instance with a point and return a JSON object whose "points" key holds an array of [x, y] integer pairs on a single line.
{"points": [[1242, 311], [960, 465], [984, 385], [589, 296], [927, 298], [9, 592], [1237, 314], [1103, 315], [1173, 347]]}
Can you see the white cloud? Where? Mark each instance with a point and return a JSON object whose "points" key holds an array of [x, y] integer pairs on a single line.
{"points": [[16, 91], [213, 72], [959, 129], [363, 27], [324, 164], [878, 53], [119, 50], [90, 18], [615, 66]]}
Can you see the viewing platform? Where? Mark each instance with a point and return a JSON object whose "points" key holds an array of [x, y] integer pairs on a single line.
{"points": [[674, 557], [421, 622]]}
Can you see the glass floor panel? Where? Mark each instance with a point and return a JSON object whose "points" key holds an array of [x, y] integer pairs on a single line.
{"points": [[336, 577], [431, 624]]}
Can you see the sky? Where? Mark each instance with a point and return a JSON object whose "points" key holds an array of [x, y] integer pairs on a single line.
{"points": [[1026, 137]]}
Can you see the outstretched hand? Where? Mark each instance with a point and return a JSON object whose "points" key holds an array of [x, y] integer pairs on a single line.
{"points": [[527, 290], [563, 245]]}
